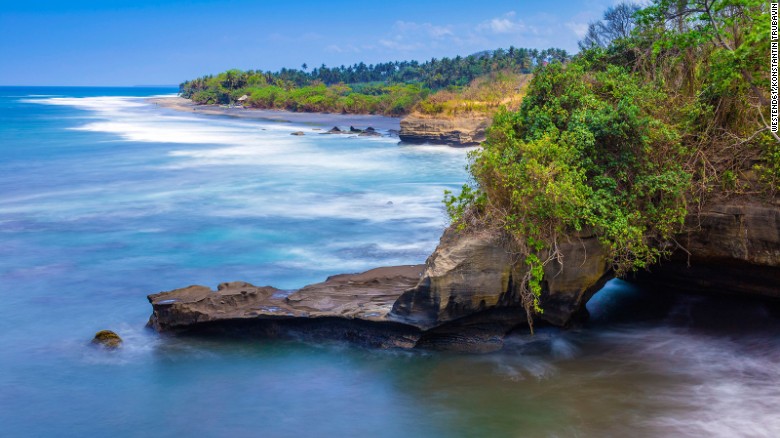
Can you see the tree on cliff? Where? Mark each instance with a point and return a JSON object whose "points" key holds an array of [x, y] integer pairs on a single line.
{"points": [[626, 139], [618, 22]]}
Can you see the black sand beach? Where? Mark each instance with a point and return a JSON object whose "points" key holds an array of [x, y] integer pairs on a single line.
{"points": [[324, 120]]}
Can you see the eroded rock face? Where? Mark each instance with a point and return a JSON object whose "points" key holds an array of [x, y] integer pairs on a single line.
{"points": [[461, 131], [467, 273], [350, 306], [729, 248], [194, 305], [568, 286], [473, 272], [466, 296]]}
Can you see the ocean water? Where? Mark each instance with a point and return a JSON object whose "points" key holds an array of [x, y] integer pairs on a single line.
{"points": [[105, 198]]}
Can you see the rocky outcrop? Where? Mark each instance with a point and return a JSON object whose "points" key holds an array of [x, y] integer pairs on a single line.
{"points": [[107, 339], [464, 298], [371, 132], [351, 306], [728, 248], [467, 295], [457, 131], [473, 272], [354, 307]]}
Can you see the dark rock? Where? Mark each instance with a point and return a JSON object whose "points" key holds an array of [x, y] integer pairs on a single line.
{"points": [[343, 306], [335, 130], [354, 130], [298, 133], [193, 305], [353, 307], [107, 339], [728, 248], [481, 332], [370, 132]]}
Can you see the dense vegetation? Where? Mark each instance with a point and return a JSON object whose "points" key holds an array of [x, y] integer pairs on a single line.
{"points": [[631, 135], [484, 95], [392, 88]]}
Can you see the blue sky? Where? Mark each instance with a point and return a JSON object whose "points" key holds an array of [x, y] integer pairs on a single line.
{"points": [[139, 42]]}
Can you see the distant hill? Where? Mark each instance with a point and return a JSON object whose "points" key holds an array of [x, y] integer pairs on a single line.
{"points": [[392, 88]]}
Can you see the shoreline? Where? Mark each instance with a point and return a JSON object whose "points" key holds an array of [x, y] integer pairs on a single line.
{"points": [[325, 120]]}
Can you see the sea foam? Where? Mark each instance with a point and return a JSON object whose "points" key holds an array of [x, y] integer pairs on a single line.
{"points": [[250, 169]]}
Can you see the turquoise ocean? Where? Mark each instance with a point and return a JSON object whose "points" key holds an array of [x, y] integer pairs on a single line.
{"points": [[106, 198]]}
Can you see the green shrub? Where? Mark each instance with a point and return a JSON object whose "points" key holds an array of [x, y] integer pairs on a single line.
{"points": [[588, 148]]}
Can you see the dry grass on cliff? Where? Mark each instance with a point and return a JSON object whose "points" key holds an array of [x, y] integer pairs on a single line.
{"points": [[482, 97]]}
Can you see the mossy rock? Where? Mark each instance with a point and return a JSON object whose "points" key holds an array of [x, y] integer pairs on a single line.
{"points": [[107, 339]]}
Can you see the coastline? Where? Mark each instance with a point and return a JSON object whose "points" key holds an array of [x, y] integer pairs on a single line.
{"points": [[325, 120]]}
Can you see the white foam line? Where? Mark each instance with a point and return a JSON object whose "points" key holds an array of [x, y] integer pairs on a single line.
{"points": [[128, 118], [103, 103]]}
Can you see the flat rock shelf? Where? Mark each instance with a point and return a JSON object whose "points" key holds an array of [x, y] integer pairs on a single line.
{"points": [[350, 306]]}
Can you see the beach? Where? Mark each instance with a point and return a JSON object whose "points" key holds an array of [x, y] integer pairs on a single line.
{"points": [[360, 121]]}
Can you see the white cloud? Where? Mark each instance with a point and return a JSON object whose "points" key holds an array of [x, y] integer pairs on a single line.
{"points": [[428, 29], [346, 48], [505, 24], [420, 40], [399, 45], [579, 29], [410, 36]]}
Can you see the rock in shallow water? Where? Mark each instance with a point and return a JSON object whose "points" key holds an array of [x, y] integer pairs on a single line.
{"points": [[466, 296], [107, 339], [353, 307], [465, 299], [349, 306]]}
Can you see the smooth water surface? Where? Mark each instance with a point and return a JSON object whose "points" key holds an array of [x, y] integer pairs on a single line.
{"points": [[105, 198]]}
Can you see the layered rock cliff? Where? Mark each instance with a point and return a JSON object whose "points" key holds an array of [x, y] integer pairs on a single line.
{"points": [[457, 131], [466, 297], [729, 247], [354, 307], [726, 248], [471, 272]]}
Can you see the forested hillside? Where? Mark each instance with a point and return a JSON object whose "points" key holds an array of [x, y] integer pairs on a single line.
{"points": [[392, 88]]}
